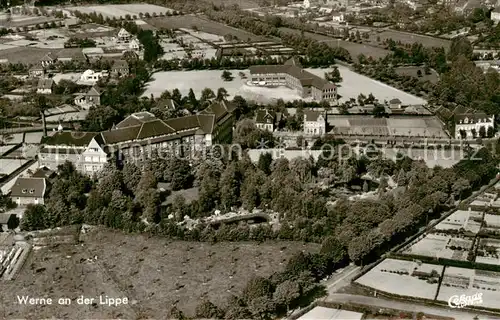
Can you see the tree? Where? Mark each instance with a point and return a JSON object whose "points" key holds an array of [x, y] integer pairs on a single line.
{"points": [[333, 249], [35, 218], [490, 132], [419, 73], [334, 75], [379, 111], [401, 180], [226, 75], [257, 287], [264, 164], [221, 94], [460, 46], [206, 95], [286, 292], [482, 132], [42, 106]]}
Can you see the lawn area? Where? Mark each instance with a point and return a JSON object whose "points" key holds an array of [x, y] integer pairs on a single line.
{"points": [[153, 273], [406, 37], [355, 49], [433, 77], [204, 25]]}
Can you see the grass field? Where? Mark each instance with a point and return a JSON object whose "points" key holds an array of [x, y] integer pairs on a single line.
{"points": [[204, 25], [23, 54], [413, 72], [406, 37], [121, 10], [243, 4], [153, 273], [355, 49]]}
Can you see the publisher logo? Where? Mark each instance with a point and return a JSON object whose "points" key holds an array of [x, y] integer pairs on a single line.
{"points": [[457, 302]]}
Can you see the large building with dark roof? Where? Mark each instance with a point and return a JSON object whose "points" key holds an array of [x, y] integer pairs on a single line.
{"points": [[292, 75], [137, 136]]}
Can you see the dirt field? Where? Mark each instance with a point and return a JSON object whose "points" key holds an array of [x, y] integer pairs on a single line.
{"points": [[354, 49], [23, 54], [152, 273], [188, 21]]}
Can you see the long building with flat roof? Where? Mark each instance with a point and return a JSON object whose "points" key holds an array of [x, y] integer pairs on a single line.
{"points": [[292, 75]]}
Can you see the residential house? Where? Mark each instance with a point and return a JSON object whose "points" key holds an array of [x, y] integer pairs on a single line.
{"points": [[314, 122], [45, 86], [89, 98], [90, 76], [495, 14], [123, 36], [37, 71], [473, 125], [395, 103], [338, 17], [48, 60], [71, 55], [292, 75], [134, 45], [78, 148], [137, 136], [169, 104], [267, 120], [120, 68], [29, 191]]}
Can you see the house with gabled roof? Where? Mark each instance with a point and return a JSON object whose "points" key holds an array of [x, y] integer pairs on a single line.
{"points": [[36, 71], [267, 119], [314, 122], [48, 60], [123, 36], [29, 191], [45, 86], [120, 68]]}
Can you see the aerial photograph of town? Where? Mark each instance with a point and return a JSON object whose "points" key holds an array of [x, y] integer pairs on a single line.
{"points": [[250, 159]]}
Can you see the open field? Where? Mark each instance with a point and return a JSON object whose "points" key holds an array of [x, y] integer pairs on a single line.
{"points": [[22, 54], [204, 25], [25, 20], [153, 273], [492, 221], [355, 49], [243, 4], [121, 10], [462, 219], [413, 72], [7, 166], [410, 38], [442, 246], [469, 281], [388, 276], [352, 85]]}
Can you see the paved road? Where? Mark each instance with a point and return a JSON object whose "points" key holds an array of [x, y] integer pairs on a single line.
{"points": [[342, 279], [407, 306]]}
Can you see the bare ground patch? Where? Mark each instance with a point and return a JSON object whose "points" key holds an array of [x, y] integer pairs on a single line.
{"points": [[152, 272]]}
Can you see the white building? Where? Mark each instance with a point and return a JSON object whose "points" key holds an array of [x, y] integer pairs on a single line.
{"points": [[134, 45], [123, 36], [495, 15], [314, 123], [90, 77], [468, 125], [338, 17], [45, 86], [94, 157]]}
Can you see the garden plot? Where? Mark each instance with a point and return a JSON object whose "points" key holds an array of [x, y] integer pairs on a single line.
{"points": [[492, 221], [71, 76], [7, 166], [121, 10], [204, 35], [488, 251], [388, 276], [469, 282], [462, 219], [441, 246]]}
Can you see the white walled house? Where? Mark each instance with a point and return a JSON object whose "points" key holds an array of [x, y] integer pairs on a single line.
{"points": [[94, 158], [468, 125], [267, 120], [90, 76], [134, 45], [45, 86], [338, 17], [123, 36], [314, 123]]}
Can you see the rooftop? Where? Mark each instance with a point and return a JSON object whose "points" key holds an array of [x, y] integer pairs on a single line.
{"points": [[29, 187]]}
